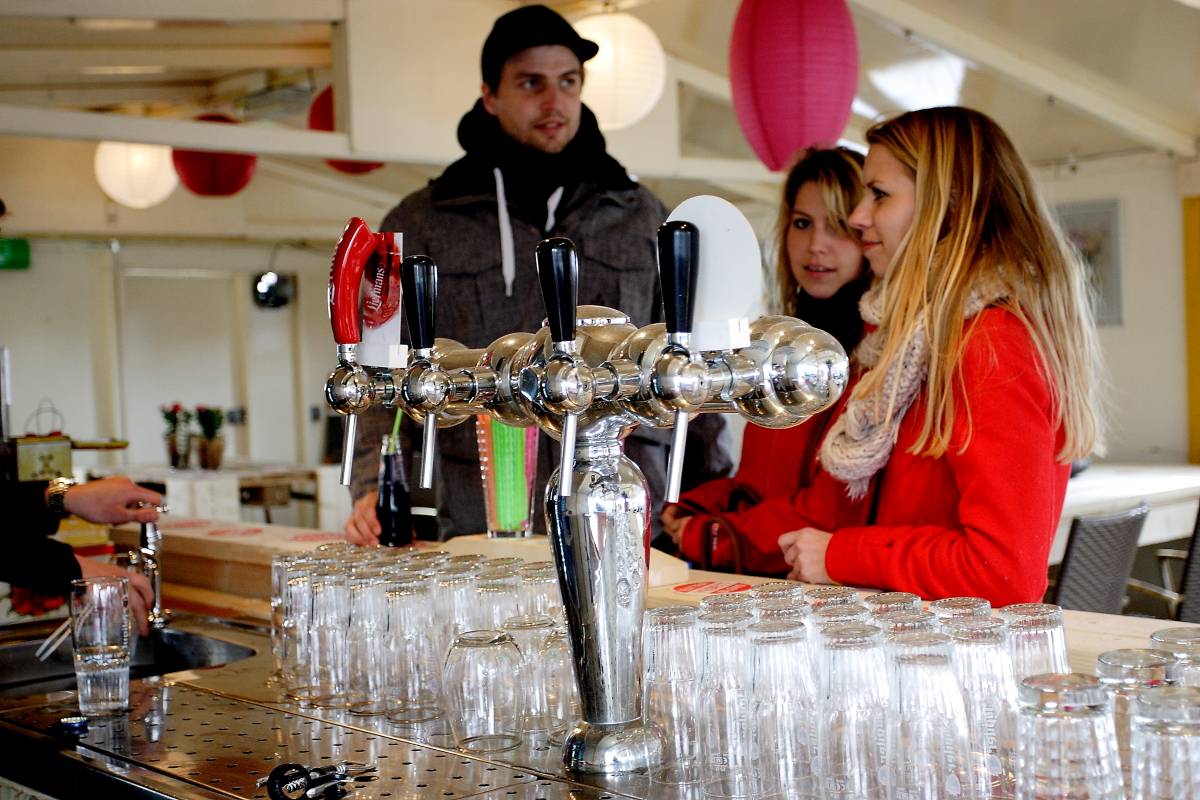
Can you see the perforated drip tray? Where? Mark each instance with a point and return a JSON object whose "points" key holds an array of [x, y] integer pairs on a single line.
{"points": [[224, 745]]}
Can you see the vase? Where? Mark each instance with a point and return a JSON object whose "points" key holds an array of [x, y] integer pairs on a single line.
{"points": [[209, 452], [179, 449]]}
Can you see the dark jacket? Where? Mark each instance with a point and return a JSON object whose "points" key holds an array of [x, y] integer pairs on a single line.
{"points": [[32, 560], [612, 221]]}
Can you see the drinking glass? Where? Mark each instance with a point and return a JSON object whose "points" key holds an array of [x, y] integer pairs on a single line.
{"points": [[562, 692], [367, 679], [508, 466], [781, 609], [929, 749], [729, 767], [414, 665], [1184, 644], [1125, 673], [824, 617], [497, 591], [457, 606], [1166, 743], [540, 593], [279, 564], [510, 562], [772, 590], [296, 642], [738, 601], [529, 632], [100, 632], [830, 596], [852, 731], [1036, 639], [953, 607], [329, 663], [983, 666], [883, 602], [670, 685], [894, 623], [481, 693], [1066, 743], [783, 707]]}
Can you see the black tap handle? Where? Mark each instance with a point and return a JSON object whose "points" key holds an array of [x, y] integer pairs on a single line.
{"points": [[678, 262], [418, 278], [558, 273]]}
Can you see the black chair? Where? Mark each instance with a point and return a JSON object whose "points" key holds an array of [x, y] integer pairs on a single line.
{"points": [[1098, 560], [1182, 600]]}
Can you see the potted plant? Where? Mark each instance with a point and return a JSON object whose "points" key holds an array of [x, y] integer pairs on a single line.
{"points": [[210, 446], [178, 434]]}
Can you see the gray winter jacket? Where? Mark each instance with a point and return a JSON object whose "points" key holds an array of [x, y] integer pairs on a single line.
{"points": [[454, 220]]}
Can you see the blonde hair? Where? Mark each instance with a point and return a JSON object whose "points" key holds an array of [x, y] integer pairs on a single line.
{"points": [[978, 220], [837, 172]]}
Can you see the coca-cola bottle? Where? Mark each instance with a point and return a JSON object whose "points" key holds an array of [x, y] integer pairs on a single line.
{"points": [[393, 509]]}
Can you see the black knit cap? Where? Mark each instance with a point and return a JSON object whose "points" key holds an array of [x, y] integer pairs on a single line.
{"points": [[525, 27]]}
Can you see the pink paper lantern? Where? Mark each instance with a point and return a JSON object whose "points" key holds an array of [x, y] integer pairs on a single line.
{"points": [[793, 66]]}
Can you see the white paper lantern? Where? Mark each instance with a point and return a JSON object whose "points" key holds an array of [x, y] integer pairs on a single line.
{"points": [[135, 175], [626, 78]]}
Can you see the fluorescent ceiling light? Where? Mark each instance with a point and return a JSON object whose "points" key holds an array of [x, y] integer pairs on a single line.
{"points": [[925, 82], [98, 24], [861, 108], [127, 69]]}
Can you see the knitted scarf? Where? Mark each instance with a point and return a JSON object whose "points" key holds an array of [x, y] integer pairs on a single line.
{"points": [[860, 441]]}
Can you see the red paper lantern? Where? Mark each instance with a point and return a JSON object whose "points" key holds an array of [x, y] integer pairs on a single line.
{"points": [[793, 66], [214, 174], [320, 118]]}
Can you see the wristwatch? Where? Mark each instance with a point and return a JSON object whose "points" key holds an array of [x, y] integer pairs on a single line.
{"points": [[56, 495]]}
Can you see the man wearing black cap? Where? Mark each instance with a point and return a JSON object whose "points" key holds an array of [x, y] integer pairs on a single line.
{"points": [[535, 166]]}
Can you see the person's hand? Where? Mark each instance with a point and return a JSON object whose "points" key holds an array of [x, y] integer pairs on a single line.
{"points": [[362, 526], [674, 520], [141, 595], [805, 550], [112, 501]]}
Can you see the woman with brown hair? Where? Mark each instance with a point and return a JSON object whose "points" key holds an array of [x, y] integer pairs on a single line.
{"points": [[820, 275], [951, 456]]}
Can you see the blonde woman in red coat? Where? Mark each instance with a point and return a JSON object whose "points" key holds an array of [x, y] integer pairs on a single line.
{"points": [[820, 276], [945, 472]]}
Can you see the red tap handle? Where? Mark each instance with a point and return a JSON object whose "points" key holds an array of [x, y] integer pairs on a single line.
{"points": [[354, 250]]}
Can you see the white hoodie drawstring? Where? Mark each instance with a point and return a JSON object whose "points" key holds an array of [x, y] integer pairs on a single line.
{"points": [[508, 258]]}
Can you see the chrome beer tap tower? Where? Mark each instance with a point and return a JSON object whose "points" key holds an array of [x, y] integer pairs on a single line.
{"points": [[588, 378]]}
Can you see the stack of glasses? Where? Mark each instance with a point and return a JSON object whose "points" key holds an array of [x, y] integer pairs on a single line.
{"points": [[774, 694], [417, 635]]}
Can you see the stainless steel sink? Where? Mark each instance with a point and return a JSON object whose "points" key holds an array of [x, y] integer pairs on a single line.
{"points": [[163, 651]]}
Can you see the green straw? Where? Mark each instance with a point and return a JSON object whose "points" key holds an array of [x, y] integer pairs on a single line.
{"points": [[508, 465], [395, 431]]}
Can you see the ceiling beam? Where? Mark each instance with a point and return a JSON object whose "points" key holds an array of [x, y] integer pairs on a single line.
{"points": [[1005, 51], [106, 95], [180, 10], [63, 60]]}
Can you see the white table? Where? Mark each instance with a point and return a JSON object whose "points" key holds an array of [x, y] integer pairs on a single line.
{"points": [[1172, 490]]}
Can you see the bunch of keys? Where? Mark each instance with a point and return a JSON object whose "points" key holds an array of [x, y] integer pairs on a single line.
{"points": [[297, 782]]}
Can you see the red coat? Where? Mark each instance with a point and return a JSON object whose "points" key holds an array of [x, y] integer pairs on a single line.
{"points": [[975, 521]]}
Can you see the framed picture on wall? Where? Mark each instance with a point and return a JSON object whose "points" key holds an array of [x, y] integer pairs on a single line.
{"points": [[1095, 228]]}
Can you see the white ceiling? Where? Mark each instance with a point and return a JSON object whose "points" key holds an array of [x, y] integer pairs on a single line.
{"points": [[1124, 74]]}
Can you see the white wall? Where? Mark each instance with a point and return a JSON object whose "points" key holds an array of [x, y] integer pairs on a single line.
{"points": [[1146, 354]]}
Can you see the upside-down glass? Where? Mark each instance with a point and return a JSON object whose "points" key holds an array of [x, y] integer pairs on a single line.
{"points": [[497, 590], [781, 609], [367, 678], [414, 668], [529, 632], [457, 607], [1166, 743], [954, 607], [734, 601], [296, 629], [819, 596], [784, 709], [481, 691], [329, 656], [1184, 644], [1125, 673], [508, 467], [772, 590], [1066, 743], [824, 617], [100, 633], [562, 692], [730, 769], [1036, 639], [883, 602], [897, 622], [929, 749], [670, 690], [852, 732], [540, 593], [279, 564], [983, 666]]}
